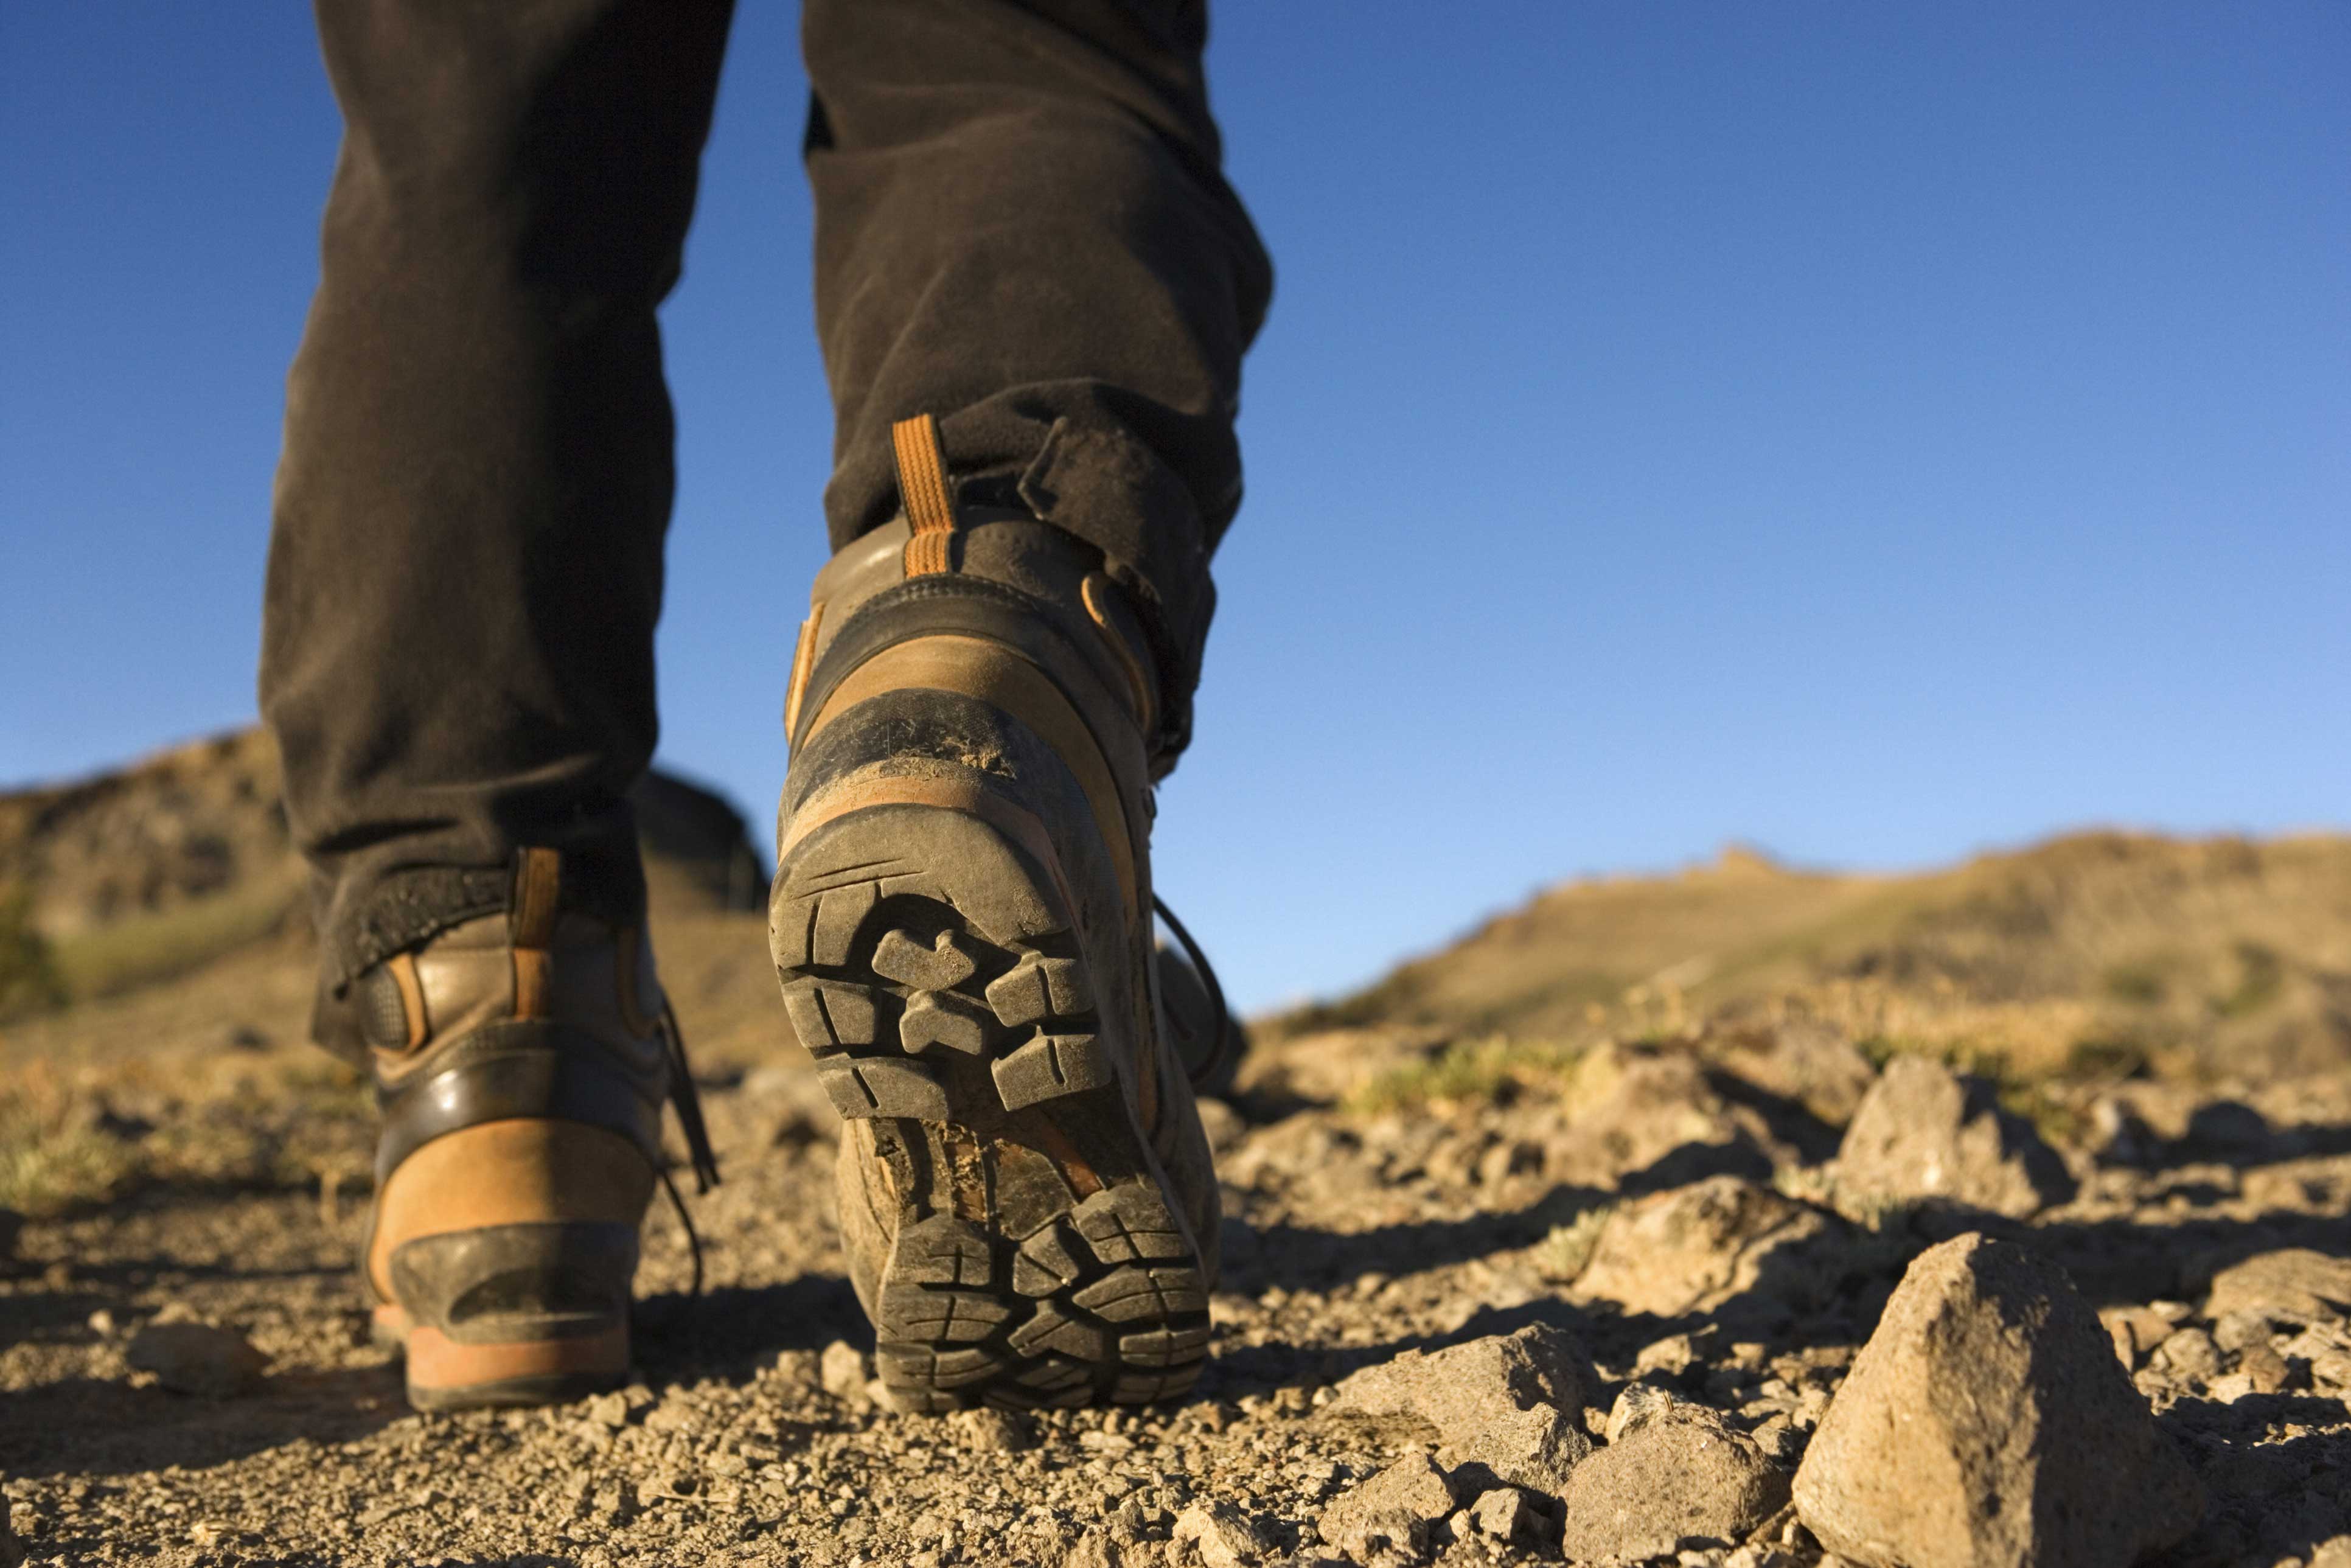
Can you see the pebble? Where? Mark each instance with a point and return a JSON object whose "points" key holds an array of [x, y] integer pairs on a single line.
{"points": [[197, 1358]]}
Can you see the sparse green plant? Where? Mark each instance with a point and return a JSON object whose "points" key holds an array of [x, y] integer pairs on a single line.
{"points": [[2142, 984], [1488, 1067], [1566, 1251], [28, 969], [2106, 1060], [2260, 977]]}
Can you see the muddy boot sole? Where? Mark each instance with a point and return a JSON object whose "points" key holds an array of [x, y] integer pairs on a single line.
{"points": [[1035, 1254]]}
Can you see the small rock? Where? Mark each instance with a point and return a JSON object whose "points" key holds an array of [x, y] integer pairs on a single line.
{"points": [[1697, 1247], [1511, 1403], [1224, 1536], [2264, 1368], [1672, 1355], [607, 1410], [1537, 1450], [2294, 1281], [197, 1358], [102, 1324], [2136, 1331], [1392, 1511], [2233, 1331], [2190, 1353], [845, 1370], [1985, 1422], [1926, 1132], [799, 1366], [1636, 1406], [1504, 1514], [1095, 1549], [1654, 1111], [1680, 1474], [990, 1431], [2333, 1554], [1803, 1060], [1458, 1390]]}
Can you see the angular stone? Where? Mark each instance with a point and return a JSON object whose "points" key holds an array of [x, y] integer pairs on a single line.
{"points": [[1464, 1389], [196, 1358], [1504, 1514], [1697, 1247], [1681, 1475], [1395, 1506], [992, 1431], [2293, 1282], [1637, 1406], [1987, 1423], [843, 1369], [1222, 1534], [1926, 1133]]}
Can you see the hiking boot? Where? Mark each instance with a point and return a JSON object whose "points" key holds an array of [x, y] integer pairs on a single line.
{"points": [[962, 920], [521, 1061]]}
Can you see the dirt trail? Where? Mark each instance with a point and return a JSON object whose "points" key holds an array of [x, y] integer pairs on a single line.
{"points": [[1355, 1233]]}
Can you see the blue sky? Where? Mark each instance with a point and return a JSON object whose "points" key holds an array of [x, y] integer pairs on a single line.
{"points": [[1876, 433]]}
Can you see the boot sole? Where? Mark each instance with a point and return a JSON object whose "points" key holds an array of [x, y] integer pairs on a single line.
{"points": [[1036, 1255], [444, 1374]]}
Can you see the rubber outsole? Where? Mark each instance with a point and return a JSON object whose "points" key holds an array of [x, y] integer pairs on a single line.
{"points": [[1035, 1255], [443, 1374]]}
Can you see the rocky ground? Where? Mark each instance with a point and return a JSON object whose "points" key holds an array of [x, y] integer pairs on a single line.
{"points": [[1745, 1217], [1497, 1310]]}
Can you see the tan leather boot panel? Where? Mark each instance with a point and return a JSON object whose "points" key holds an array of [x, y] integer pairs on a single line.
{"points": [[975, 667]]}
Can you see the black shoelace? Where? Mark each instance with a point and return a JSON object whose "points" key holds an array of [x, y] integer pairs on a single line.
{"points": [[1222, 1034]]}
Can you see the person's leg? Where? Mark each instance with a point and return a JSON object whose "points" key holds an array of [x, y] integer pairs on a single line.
{"points": [[467, 562], [1021, 230], [457, 653]]}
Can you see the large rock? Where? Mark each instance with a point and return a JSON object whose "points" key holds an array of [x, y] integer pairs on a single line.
{"points": [[1695, 1247], [1682, 1474], [1925, 1133], [2293, 1282], [1988, 1423], [1512, 1402]]}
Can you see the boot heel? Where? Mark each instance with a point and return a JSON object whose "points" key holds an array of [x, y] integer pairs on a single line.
{"points": [[515, 1314]]}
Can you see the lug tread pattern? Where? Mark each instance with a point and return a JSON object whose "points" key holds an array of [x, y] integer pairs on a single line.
{"points": [[902, 991]]}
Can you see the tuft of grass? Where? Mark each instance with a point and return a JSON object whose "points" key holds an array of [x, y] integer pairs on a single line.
{"points": [[2261, 976], [2141, 984], [56, 1151], [62, 1148], [1566, 1252], [1490, 1067], [29, 970]]}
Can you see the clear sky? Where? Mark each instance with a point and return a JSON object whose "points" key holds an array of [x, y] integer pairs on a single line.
{"points": [[1872, 432]]}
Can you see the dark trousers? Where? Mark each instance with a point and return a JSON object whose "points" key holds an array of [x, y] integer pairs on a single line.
{"points": [[1020, 227]]}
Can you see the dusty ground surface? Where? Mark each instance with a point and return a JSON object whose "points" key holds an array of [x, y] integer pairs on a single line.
{"points": [[1413, 1170]]}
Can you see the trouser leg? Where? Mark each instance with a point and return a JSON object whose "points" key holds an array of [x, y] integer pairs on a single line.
{"points": [[466, 564], [1022, 227]]}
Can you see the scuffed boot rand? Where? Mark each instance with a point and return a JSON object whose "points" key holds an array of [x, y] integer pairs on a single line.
{"points": [[961, 922], [521, 1061]]}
